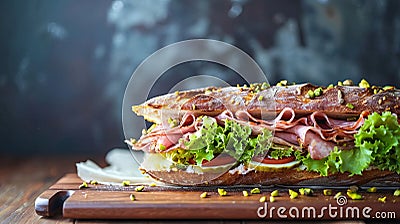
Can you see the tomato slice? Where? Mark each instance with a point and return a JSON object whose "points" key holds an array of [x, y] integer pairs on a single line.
{"points": [[221, 159], [267, 160]]}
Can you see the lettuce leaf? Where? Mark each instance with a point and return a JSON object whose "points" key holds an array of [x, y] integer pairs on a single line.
{"points": [[232, 138], [376, 143], [380, 134]]}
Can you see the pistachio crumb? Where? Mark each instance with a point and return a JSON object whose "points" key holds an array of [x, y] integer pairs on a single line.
{"points": [[318, 92], [305, 191], [340, 83], [380, 101], [382, 199], [275, 193], [132, 197], [263, 199], [310, 94], [293, 194], [203, 195], [396, 193], [152, 184], [245, 193], [176, 93], [125, 183], [348, 82], [330, 86], [162, 147], [337, 195], [364, 84], [255, 191], [354, 195], [350, 106], [93, 182], [327, 192], [139, 188], [352, 189], [222, 192], [371, 189], [83, 185], [272, 199], [260, 98], [388, 88]]}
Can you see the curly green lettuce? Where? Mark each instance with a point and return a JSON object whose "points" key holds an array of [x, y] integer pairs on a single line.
{"points": [[213, 139], [376, 144]]}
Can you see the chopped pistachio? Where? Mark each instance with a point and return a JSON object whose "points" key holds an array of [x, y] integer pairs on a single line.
{"points": [[162, 147], [152, 184], [260, 98], [382, 199], [203, 195], [244, 86], [263, 199], [327, 192], [93, 182], [237, 85], [172, 122], [132, 140], [318, 92], [207, 92], [337, 195], [275, 193], [364, 84], [305, 191], [144, 131], [125, 183], [222, 192], [348, 82], [330, 86], [371, 189], [272, 198], [396, 193], [340, 83], [139, 188], [132, 197], [354, 195], [375, 91], [245, 193], [255, 191], [388, 88], [264, 85], [176, 93], [293, 194], [283, 82], [352, 189], [83, 185], [350, 106], [310, 94]]}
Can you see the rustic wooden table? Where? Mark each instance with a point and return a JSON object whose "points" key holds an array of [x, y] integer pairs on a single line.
{"points": [[23, 179]]}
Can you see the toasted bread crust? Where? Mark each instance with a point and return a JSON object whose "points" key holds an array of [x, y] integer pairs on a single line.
{"points": [[332, 101]]}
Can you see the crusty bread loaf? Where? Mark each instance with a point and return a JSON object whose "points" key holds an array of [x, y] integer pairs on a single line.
{"points": [[212, 100]]}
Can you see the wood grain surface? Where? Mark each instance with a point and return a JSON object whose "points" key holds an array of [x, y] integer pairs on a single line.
{"points": [[25, 178], [159, 202]]}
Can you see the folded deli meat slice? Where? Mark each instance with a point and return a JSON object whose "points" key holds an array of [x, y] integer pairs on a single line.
{"points": [[303, 132], [318, 133]]}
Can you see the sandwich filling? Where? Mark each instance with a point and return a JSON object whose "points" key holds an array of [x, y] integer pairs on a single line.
{"points": [[314, 141]]}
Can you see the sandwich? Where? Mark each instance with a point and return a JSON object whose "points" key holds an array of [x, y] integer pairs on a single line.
{"points": [[285, 134]]}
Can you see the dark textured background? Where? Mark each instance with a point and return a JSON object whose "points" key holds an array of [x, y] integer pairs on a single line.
{"points": [[64, 64]]}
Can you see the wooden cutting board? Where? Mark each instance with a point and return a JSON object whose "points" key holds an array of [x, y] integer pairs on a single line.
{"points": [[65, 199]]}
